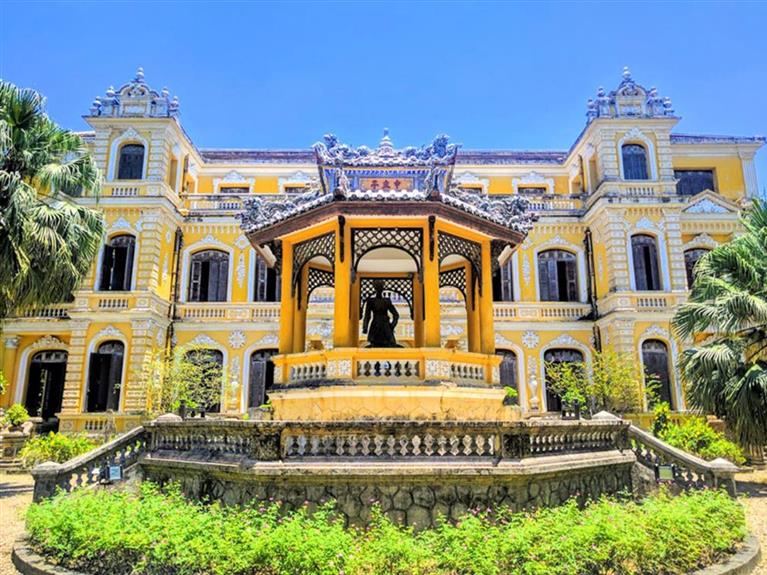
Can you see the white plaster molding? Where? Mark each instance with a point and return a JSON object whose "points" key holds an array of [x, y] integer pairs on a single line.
{"points": [[242, 242], [240, 271], [533, 179], [128, 136], [233, 177], [557, 242], [268, 339], [108, 332], [49, 341], [298, 178], [706, 206], [635, 135], [469, 179], [502, 340], [701, 241], [530, 339], [237, 339], [204, 339]]}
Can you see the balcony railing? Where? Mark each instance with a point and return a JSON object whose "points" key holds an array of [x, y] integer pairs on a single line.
{"points": [[135, 189], [540, 311], [254, 311], [645, 301]]}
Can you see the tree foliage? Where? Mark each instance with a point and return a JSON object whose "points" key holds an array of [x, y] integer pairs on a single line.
{"points": [[613, 383], [47, 241], [726, 315]]}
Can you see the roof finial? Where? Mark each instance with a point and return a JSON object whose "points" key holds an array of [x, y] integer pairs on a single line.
{"points": [[626, 73], [385, 143], [140, 74]]}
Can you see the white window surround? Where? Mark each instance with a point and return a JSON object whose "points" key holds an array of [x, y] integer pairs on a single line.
{"points": [[213, 345], [109, 333], [564, 341], [521, 379], [636, 136], [233, 179], [515, 279], [100, 259], [297, 179], [129, 136], [22, 376], [533, 180], [663, 267], [557, 243], [676, 381], [258, 346], [469, 180], [207, 243]]}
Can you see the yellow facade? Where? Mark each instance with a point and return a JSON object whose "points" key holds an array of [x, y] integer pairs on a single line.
{"points": [[186, 201]]}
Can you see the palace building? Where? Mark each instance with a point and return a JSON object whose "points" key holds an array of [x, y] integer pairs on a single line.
{"points": [[496, 262]]}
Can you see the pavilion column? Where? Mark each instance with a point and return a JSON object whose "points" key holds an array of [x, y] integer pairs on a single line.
{"points": [[343, 335], [418, 312], [473, 329], [355, 314], [487, 325], [287, 305], [11, 344], [432, 335], [299, 315]]}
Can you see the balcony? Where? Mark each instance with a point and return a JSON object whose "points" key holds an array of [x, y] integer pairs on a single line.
{"points": [[215, 204], [263, 312], [54, 311], [641, 301], [633, 192], [540, 311], [137, 188]]}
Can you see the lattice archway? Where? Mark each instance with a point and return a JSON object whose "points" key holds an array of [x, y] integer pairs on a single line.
{"points": [[409, 240], [450, 245], [402, 286], [304, 252]]}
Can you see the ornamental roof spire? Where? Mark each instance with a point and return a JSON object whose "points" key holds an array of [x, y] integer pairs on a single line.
{"points": [[136, 99], [386, 146], [628, 100]]}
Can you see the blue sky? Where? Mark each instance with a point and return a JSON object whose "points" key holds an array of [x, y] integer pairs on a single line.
{"points": [[491, 75]]}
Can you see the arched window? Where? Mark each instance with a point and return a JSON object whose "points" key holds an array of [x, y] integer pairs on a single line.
{"points": [[646, 268], [117, 264], [131, 162], [261, 376], [105, 377], [45, 386], [655, 362], [553, 401], [509, 370], [267, 282], [691, 258], [634, 162], [503, 283], [558, 276], [209, 276], [207, 392]]}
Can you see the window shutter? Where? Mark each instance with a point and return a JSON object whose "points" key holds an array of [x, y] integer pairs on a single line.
{"points": [[222, 279], [261, 280], [572, 281], [115, 380], [651, 252], [106, 268], [655, 361], [543, 279], [120, 256], [640, 274], [194, 283], [213, 269], [257, 384], [507, 282], [128, 270], [553, 278]]}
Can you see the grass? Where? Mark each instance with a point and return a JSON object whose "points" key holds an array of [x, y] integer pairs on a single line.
{"points": [[157, 532]]}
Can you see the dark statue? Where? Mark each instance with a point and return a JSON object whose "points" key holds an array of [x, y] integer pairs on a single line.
{"points": [[380, 330]]}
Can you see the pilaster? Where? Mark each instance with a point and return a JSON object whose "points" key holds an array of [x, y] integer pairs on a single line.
{"points": [[74, 384]]}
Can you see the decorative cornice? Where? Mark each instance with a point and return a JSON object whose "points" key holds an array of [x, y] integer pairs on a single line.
{"points": [[49, 341], [629, 100], [135, 99]]}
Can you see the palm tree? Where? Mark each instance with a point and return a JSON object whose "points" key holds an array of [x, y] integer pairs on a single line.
{"points": [[47, 241], [726, 316]]}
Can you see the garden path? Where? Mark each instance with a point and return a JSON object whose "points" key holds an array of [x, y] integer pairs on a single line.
{"points": [[16, 495]]}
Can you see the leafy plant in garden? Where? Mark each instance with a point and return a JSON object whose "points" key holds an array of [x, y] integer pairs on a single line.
{"points": [[696, 436], [156, 531], [726, 372], [47, 241], [187, 375], [3, 384], [16, 415], [55, 447]]}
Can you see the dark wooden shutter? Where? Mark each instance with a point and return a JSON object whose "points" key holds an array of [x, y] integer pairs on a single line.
{"points": [[112, 399], [655, 361], [257, 383], [571, 271], [634, 162], [194, 280], [509, 371], [640, 273], [131, 163], [128, 270], [651, 264], [261, 287], [107, 261], [221, 279], [507, 282]]}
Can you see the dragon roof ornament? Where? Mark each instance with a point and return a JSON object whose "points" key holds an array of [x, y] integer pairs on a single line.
{"points": [[331, 152], [136, 99], [629, 100]]}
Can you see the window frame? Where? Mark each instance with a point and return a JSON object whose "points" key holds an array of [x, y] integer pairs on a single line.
{"points": [[107, 257], [119, 383], [672, 400], [119, 161], [646, 155], [714, 188], [643, 260], [190, 287], [571, 285]]}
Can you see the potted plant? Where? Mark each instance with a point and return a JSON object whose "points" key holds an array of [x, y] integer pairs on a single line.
{"points": [[511, 395], [572, 400], [16, 416]]}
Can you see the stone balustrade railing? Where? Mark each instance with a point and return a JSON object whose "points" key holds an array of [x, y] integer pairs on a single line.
{"points": [[687, 470], [540, 311], [89, 468]]}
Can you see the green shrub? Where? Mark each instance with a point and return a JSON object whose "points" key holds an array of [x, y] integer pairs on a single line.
{"points": [[661, 413], [153, 531], [698, 437], [16, 415], [54, 447]]}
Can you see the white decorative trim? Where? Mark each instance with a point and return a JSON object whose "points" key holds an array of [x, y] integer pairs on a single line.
{"points": [[663, 264], [108, 332], [501, 339], [706, 206], [580, 262], [49, 341], [533, 179], [233, 177], [526, 271], [268, 339], [657, 332], [298, 178], [208, 242], [635, 135], [701, 241], [122, 225], [240, 271], [237, 339], [129, 135], [472, 180], [645, 223], [557, 242], [203, 339], [530, 339], [242, 242]]}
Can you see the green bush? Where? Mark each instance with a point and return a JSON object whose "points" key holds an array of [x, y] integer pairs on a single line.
{"points": [[698, 437], [54, 447], [16, 415], [155, 532]]}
